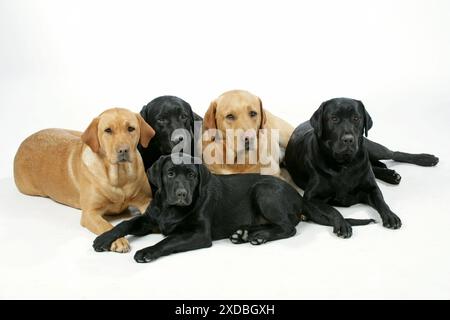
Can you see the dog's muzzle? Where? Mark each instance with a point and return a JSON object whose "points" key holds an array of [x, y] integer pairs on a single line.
{"points": [[123, 155]]}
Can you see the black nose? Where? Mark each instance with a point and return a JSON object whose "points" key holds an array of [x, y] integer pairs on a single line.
{"points": [[181, 193], [348, 139]]}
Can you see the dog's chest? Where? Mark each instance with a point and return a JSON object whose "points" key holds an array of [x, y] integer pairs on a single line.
{"points": [[169, 220], [345, 187]]}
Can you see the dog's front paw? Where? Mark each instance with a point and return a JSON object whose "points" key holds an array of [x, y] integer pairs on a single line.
{"points": [[391, 221], [121, 245], [146, 255], [103, 242], [343, 229], [239, 236]]}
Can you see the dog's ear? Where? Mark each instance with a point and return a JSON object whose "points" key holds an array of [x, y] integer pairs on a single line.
{"points": [[263, 115], [146, 131], [204, 175], [154, 173], [209, 120], [316, 120], [367, 119], [90, 136]]}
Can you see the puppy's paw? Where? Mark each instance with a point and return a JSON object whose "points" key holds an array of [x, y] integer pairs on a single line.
{"points": [[103, 242], [239, 236], [392, 221], [343, 229], [146, 255], [121, 245]]}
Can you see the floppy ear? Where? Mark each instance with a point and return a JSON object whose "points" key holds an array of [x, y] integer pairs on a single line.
{"points": [[90, 136], [209, 120], [316, 119], [154, 172], [147, 132], [204, 176], [263, 115], [367, 119]]}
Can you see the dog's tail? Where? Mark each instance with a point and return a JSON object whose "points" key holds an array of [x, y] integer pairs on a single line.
{"points": [[321, 215], [360, 222]]}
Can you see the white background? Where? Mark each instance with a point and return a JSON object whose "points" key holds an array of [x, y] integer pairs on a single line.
{"points": [[63, 62]]}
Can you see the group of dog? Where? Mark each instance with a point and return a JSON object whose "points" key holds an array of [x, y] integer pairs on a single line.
{"points": [[125, 159]]}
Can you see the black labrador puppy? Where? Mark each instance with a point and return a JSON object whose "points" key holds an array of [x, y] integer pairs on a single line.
{"points": [[329, 158], [193, 207], [166, 114]]}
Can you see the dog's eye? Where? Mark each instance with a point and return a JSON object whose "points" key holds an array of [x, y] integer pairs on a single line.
{"points": [[161, 121], [334, 119], [253, 114], [171, 174], [191, 174], [183, 117], [131, 129], [355, 118], [108, 130], [230, 116]]}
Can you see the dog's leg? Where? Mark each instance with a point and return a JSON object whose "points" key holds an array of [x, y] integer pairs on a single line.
{"points": [[138, 226], [379, 152], [93, 220], [326, 215], [386, 175], [375, 199], [173, 244]]}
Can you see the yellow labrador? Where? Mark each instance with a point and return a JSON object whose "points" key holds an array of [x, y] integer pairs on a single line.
{"points": [[99, 171], [239, 109]]}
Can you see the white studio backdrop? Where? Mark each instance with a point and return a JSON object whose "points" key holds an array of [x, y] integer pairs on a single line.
{"points": [[63, 62]]}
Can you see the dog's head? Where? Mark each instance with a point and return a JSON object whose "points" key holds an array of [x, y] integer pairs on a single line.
{"points": [[115, 133], [167, 114], [340, 125], [181, 181], [237, 110]]}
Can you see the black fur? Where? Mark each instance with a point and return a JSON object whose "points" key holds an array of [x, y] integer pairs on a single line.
{"points": [[166, 114], [193, 207], [328, 157]]}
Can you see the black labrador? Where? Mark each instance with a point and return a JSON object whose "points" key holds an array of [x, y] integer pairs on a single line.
{"points": [[329, 158], [193, 207], [166, 114]]}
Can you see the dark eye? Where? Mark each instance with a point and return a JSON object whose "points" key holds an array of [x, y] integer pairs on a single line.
{"points": [[183, 117], [171, 174], [191, 174], [230, 116], [253, 114], [131, 129], [355, 118], [161, 121], [334, 119], [108, 130]]}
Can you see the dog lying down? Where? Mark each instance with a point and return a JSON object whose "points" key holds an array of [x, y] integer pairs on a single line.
{"points": [[193, 207]]}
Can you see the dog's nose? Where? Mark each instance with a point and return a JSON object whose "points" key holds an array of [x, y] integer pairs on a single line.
{"points": [[123, 150], [348, 139], [181, 193]]}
